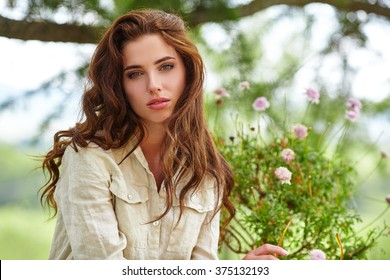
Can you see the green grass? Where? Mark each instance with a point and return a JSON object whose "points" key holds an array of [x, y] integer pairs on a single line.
{"points": [[25, 234]]}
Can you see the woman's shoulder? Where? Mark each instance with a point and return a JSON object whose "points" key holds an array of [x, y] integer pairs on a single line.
{"points": [[93, 152], [92, 149]]}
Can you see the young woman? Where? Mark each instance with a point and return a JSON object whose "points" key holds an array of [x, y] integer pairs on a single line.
{"points": [[140, 177]]}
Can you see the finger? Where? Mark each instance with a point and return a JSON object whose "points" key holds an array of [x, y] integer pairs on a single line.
{"points": [[265, 257], [252, 256], [267, 249]]}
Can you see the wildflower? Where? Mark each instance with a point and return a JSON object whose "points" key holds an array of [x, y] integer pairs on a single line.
{"points": [[219, 101], [388, 199], [300, 131], [284, 175], [354, 103], [288, 155], [244, 85], [384, 154], [221, 92], [317, 254], [353, 115], [260, 104], [353, 110], [313, 95]]}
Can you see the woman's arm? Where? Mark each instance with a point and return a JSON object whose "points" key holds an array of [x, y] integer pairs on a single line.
{"points": [[85, 202], [206, 247]]}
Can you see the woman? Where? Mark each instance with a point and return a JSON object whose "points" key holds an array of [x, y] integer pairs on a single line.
{"points": [[140, 176]]}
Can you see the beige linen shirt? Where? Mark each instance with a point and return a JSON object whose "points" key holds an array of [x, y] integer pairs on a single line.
{"points": [[105, 210]]}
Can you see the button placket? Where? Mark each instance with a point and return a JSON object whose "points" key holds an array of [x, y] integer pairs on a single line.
{"points": [[155, 227]]}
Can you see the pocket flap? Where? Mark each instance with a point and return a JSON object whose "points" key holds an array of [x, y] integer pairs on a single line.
{"points": [[201, 201], [130, 193]]}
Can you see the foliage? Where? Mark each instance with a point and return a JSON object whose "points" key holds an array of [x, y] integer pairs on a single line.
{"points": [[312, 210], [18, 177], [24, 235]]}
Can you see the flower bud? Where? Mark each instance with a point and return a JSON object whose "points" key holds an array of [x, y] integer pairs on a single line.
{"points": [[317, 254]]}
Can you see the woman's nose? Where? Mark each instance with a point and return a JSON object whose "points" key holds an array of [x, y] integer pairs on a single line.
{"points": [[154, 84]]}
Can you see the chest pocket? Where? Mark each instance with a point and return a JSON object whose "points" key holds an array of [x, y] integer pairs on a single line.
{"points": [[185, 233], [129, 194], [130, 204]]}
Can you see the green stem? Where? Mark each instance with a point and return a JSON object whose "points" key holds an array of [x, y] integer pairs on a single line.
{"points": [[270, 125], [260, 138], [332, 137], [341, 140], [307, 110], [322, 136], [371, 172], [216, 126], [285, 112], [374, 220], [368, 151]]}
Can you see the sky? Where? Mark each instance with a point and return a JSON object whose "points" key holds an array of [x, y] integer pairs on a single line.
{"points": [[26, 65]]}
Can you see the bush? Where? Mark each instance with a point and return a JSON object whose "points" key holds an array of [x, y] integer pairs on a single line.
{"points": [[290, 192]]}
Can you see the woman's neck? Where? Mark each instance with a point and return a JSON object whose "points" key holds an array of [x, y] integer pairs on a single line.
{"points": [[151, 148], [153, 139]]}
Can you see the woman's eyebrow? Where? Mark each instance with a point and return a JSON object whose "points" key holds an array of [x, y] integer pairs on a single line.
{"points": [[155, 63], [163, 59]]}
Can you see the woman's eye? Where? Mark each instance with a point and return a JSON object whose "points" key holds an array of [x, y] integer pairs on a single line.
{"points": [[167, 66], [133, 75]]}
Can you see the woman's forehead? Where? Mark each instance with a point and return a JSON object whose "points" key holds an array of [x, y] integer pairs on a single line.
{"points": [[147, 48]]}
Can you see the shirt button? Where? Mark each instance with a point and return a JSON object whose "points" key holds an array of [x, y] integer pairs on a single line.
{"points": [[129, 197], [200, 207], [156, 223]]}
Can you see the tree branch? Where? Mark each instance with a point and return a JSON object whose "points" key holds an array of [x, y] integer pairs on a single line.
{"points": [[201, 15], [51, 31]]}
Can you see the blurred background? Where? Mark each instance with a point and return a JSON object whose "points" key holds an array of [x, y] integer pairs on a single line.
{"points": [[339, 47]]}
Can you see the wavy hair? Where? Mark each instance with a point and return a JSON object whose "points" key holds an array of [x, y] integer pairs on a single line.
{"points": [[109, 121]]}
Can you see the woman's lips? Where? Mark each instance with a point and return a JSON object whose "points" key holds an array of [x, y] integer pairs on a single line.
{"points": [[158, 103]]}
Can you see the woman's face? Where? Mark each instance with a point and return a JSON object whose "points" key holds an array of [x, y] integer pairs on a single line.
{"points": [[153, 78]]}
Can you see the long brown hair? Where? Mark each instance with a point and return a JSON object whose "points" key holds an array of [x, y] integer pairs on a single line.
{"points": [[110, 122]]}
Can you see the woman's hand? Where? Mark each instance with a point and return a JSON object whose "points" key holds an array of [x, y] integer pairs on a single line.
{"points": [[266, 252]]}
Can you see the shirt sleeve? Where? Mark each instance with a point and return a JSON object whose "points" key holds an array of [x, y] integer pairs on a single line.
{"points": [[85, 202], [206, 247]]}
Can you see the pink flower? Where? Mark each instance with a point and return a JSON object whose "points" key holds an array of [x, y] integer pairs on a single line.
{"points": [[221, 92], [283, 174], [317, 254], [288, 155], [353, 110], [354, 103], [313, 95], [300, 131], [260, 104], [353, 115], [388, 199], [244, 85], [384, 154]]}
